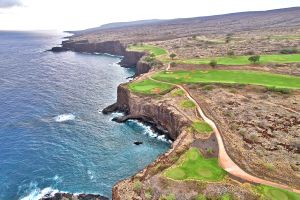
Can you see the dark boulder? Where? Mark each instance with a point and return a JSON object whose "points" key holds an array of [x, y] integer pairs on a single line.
{"points": [[138, 143], [59, 49]]}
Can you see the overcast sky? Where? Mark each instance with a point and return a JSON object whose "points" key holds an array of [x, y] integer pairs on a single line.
{"points": [[81, 14]]}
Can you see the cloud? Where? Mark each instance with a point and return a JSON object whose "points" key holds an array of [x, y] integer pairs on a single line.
{"points": [[9, 3]]}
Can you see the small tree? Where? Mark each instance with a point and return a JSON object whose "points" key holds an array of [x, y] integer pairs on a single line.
{"points": [[152, 55], [230, 53], [254, 59], [173, 64], [172, 56], [213, 63]]}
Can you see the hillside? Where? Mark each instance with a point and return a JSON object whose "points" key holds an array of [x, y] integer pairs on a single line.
{"points": [[287, 19]]}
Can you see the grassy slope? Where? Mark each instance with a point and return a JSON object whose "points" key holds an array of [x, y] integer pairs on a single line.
{"points": [[157, 51], [188, 104], [226, 76], [243, 60], [149, 87], [277, 194], [202, 127], [193, 166]]}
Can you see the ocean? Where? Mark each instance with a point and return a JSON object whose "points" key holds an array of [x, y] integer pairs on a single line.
{"points": [[53, 136]]}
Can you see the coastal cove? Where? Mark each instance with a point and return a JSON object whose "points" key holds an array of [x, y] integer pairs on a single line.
{"points": [[53, 136]]}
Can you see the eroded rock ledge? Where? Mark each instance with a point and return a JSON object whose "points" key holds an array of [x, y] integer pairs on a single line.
{"points": [[155, 112], [130, 58], [67, 196]]}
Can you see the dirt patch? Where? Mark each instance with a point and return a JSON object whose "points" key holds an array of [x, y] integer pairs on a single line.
{"points": [[208, 147]]}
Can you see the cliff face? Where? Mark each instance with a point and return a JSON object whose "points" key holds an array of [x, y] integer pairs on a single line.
{"points": [[130, 58], [158, 112]]}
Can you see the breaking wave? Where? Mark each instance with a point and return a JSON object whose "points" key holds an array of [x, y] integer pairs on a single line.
{"points": [[64, 117]]}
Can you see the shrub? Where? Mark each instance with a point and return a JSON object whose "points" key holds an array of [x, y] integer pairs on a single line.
{"points": [[269, 166], [254, 59], [172, 56], [230, 53], [137, 186], [289, 51], [279, 90], [209, 150], [208, 87], [213, 63], [168, 197], [228, 37], [253, 137], [173, 64], [200, 197], [149, 193]]}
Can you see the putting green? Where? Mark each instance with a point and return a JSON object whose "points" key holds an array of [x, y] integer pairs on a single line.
{"points": [[243, 60], [149, 87], [230, 76], [193, 166], [157, 51], [272, 193]]}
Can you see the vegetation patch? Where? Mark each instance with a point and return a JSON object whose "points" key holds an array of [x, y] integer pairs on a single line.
{"points": [[157, 51], [244, 60], [193, 166], [232, 77], [188, 104], [149, 87], [202, 127], [178, 92], [269, 192]]}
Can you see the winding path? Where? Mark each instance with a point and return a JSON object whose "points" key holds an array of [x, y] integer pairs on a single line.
{"points": [[224, 160]]}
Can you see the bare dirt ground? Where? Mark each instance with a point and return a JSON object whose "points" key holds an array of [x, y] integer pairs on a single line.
{"points": [[260, 129], [244, 43]]}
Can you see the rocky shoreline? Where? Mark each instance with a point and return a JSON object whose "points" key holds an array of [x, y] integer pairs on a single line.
{"points": [[130, 58], [68, 196]]}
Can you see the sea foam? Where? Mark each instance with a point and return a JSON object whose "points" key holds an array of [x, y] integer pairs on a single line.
{"points": [[64, 117], [37, 193]]}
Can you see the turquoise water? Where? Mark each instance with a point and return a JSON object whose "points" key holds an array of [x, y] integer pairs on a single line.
{"points": [[52, 135]]}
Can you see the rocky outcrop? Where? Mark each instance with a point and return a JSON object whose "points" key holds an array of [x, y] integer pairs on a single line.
{"points": [[158, 113], [67, 196], [142, 67], [130, 58]]}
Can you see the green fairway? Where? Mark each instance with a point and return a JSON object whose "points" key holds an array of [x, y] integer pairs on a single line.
{"points": [[149, 87], [188, 104], [243, 60], [202, 127], [230, 76], [193, 166], [272, 193], [157, 51]]}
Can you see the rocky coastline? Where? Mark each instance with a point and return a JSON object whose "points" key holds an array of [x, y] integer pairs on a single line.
{"points": [[130, 58], [68, 196]]}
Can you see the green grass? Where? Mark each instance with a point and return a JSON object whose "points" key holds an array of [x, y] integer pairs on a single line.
{"points": [[157, 51], [149, 87], [271, 193], [178, 92], [188, 104], [230, 76], [193, 166], [202, 127], [243, 60]]}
